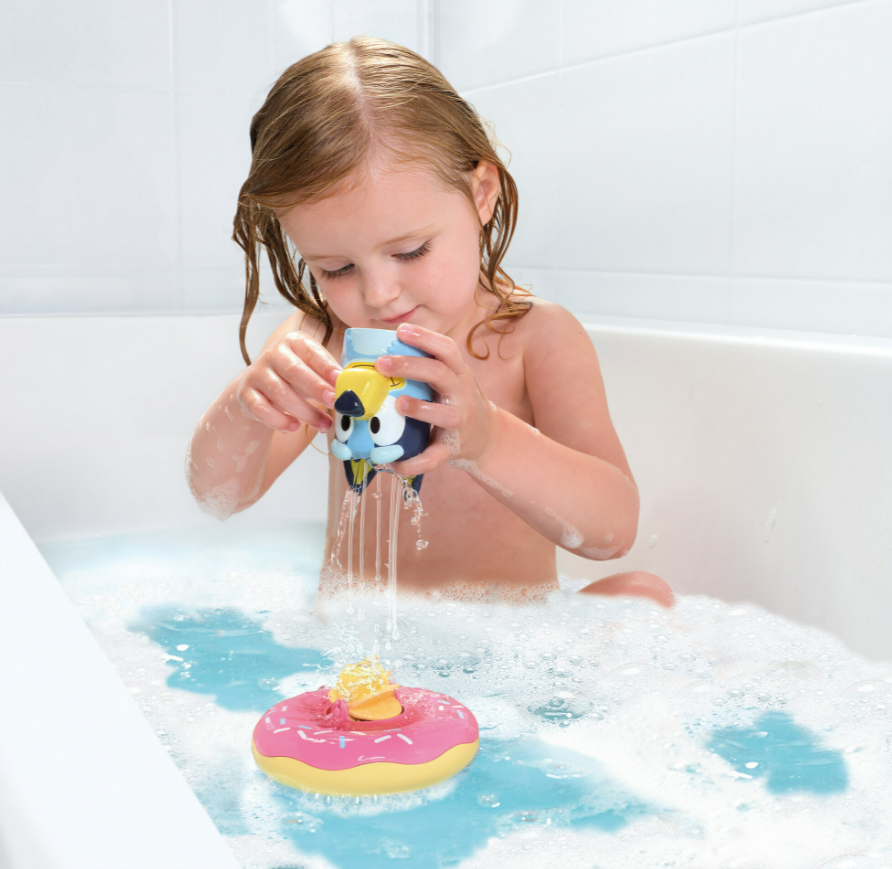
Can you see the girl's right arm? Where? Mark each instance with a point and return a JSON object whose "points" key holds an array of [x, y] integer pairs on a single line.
{"points": [[263, 420]]}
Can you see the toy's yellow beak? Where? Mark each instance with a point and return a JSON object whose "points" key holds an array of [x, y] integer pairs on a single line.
{"points": [[360, 390]]}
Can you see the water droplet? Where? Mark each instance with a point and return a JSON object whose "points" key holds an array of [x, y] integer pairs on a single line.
{"points": [[421, 544]]}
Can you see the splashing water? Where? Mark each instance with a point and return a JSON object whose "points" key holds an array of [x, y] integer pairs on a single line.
{"points": [[401, 493]]}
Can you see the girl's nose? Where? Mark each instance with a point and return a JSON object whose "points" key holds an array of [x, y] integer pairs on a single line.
{"points": [[379, 289]]}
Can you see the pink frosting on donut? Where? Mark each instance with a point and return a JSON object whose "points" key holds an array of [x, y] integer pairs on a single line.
{"points": [[312, 729]]}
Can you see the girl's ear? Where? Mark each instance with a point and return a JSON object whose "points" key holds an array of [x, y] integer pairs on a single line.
{"points": [[485, 186]]}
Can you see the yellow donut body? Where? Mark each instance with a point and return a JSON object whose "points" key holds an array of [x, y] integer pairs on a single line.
{"points": [[369, 778]]}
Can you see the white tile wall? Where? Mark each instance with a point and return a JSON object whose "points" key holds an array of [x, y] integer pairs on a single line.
{"points": [[69, 289], [724, 161], [299, 27], [844, 307], [481, 44], [653, 296], [602, 28], [98, 42], [534, 166], [222, 45], [93, 182], [645, 180], [542, 282], [813, 182], [395, 20], [766, 10], [214, 155]]}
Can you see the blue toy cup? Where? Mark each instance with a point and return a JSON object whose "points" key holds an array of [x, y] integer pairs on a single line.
{"points": [[369, 431]]}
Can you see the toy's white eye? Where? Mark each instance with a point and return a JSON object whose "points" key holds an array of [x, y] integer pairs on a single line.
{"points": [[388, 424], [343, 427]]}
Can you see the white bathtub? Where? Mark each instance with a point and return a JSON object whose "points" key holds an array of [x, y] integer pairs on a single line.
{"points": [[763, 461]]}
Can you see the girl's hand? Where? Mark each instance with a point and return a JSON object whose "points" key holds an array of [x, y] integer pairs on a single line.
{"points": [[462, 417], [279, 387]]}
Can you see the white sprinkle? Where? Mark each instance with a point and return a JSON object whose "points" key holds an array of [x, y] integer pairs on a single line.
{"points": [[751, 765], [182, 647], [283, 728], [404, 738], [382, 738]]}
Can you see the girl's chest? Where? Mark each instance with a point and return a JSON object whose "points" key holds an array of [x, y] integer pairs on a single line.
{"points": [[501, 380]]}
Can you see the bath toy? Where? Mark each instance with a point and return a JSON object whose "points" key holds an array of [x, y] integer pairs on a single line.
{"points": [[365, 736], [369, 431]]}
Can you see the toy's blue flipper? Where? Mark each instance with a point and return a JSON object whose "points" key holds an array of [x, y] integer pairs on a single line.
{"points": [[415, 483], [359, 474]]}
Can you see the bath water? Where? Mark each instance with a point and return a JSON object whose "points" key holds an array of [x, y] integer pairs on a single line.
{"points": [[614, 733]]}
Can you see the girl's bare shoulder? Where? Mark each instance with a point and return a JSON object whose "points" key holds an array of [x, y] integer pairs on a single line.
{"points": [[545, 322], [298, 321]]}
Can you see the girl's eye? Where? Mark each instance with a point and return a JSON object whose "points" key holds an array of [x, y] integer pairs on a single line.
{"points": [[335, 274], [414, 254]]}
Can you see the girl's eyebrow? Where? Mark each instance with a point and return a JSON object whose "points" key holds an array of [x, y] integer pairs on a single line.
{"points": [[415, 233]]}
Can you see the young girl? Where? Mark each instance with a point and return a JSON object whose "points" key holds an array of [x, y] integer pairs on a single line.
{"points": [[371, 171]]}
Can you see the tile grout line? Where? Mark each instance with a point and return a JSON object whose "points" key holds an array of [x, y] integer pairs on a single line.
{"points": [[555, 192], [735, 109], [179, 296]]}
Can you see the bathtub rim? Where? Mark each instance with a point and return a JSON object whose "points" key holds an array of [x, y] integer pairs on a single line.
{"points": [[81, 814]]}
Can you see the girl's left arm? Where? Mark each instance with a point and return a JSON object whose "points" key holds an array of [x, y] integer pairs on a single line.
{"points": [[569, 477]]}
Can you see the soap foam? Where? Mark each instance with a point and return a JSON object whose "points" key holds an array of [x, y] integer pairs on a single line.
{"points": [[635, 687], [571, 537], [474, 471]]}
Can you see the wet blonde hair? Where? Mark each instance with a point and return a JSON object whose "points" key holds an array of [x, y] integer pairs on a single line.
{"points": [[324, 121]]}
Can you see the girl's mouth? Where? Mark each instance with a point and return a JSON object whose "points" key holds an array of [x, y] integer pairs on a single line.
{"points": [[400, 318]]}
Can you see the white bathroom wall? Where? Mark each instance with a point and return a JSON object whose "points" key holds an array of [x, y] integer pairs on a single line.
{"points": [[718, 161], [721, 161], [125, 140]]}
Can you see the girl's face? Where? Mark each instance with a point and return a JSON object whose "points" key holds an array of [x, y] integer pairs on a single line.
{"points": [[398, 247]]}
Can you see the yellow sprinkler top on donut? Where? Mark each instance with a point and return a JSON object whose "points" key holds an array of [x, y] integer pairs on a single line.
{"points": [[368, 691]]}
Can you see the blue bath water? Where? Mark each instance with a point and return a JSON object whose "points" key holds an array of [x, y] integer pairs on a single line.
{"points": [[788, 756], [613, 733]]}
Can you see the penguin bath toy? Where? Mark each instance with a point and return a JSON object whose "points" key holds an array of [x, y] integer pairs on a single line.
{"points": [[369, 431]]}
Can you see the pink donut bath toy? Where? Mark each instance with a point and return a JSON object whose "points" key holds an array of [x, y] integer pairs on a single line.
{"points": [[365, 736]]}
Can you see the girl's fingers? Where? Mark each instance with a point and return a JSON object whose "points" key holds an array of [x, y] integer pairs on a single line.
{"points": [[439, 346], [302, 380], [434, 372], [278, 406], [441, 415], [314, 355], [259, 408], [432, 457]]}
